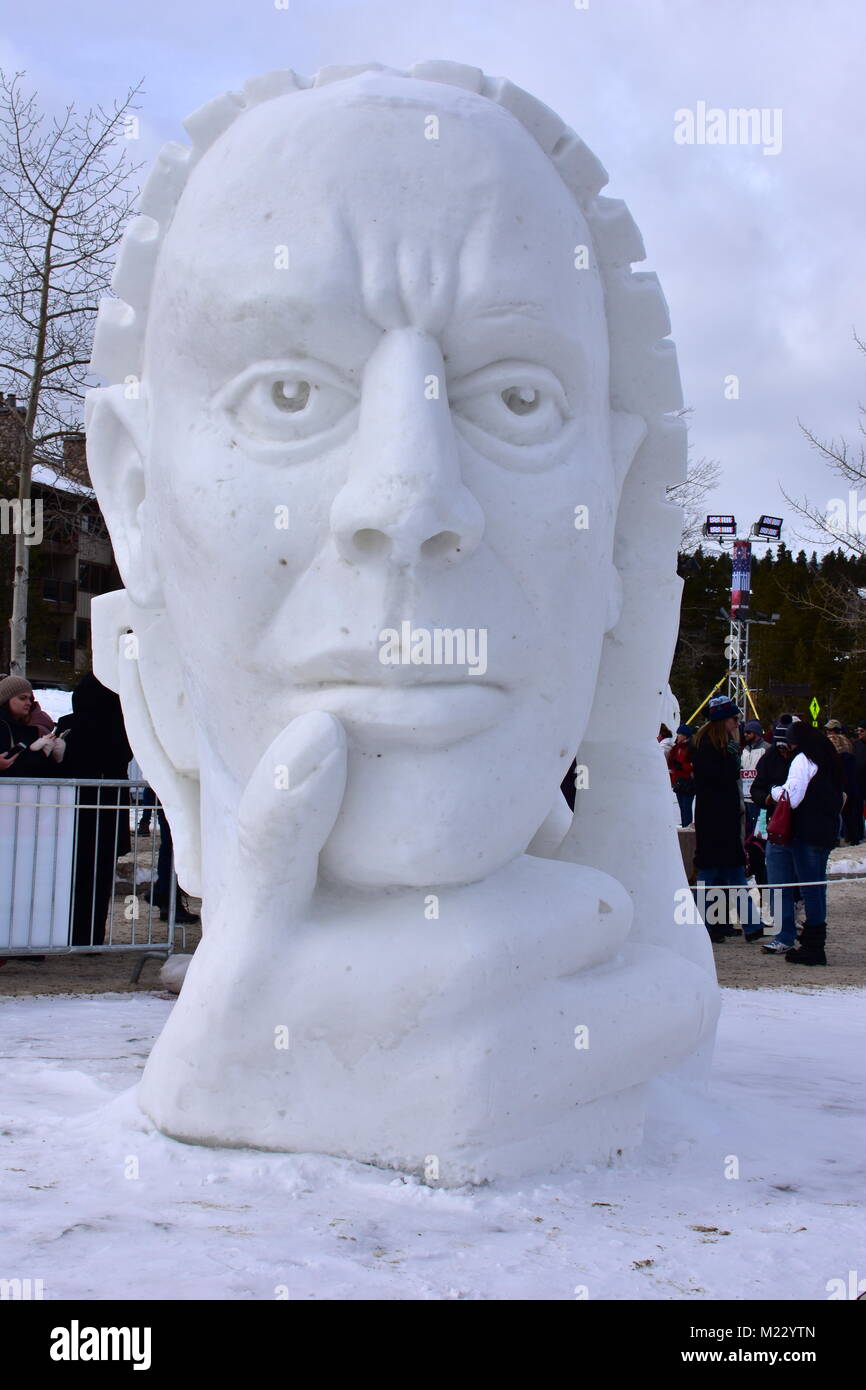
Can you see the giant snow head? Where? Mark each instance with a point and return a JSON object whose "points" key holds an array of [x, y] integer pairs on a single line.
{"points": [[381, 370]]}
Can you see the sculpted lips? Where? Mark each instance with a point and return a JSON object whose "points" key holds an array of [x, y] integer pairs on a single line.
{"points": [[431, 705]]}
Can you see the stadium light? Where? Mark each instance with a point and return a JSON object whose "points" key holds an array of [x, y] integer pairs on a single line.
{"points": [[768, 528], [720, 526]]}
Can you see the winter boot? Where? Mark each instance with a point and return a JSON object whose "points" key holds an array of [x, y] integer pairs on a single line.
{"points": [[811, 948]]}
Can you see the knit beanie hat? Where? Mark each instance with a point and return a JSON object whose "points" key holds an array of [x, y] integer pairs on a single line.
{"points": [[752, 726], [14, 685], [685, 729], [722, 708], [780, 733]]}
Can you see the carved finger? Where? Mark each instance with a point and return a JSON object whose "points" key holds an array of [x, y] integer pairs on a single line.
{"points": [[289, 807]]}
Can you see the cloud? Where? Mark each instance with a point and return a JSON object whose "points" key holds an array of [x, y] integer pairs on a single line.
{"points": [[760, 256]]}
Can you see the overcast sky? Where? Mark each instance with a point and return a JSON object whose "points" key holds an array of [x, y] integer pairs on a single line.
{"points": [[760, 255]]}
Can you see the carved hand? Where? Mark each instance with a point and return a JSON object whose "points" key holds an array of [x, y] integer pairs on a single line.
{"points": [[286, 813]]}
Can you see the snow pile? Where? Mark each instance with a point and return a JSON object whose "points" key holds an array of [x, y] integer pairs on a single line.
{"points": [[847, 859], [172, 974], [100, 1205], [55, 702]]}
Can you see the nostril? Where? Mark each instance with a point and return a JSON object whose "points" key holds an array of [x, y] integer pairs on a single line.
{"points": [[442, 544], [369, 541]]}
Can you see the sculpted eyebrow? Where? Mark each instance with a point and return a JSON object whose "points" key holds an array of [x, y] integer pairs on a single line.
{"points": [[487, 311], [304, 310]]}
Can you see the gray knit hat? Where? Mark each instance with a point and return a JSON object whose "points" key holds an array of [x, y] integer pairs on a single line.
{"points": [[14, 685]]}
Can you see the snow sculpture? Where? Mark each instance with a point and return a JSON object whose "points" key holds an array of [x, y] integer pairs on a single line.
{"points": [[384, 462]]}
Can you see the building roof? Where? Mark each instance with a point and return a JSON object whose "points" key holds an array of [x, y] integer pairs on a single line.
{"points": [[50, 477]]}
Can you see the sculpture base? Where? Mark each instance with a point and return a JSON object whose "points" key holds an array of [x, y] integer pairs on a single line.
{"points": [[511, 1035], [598, 1132]]}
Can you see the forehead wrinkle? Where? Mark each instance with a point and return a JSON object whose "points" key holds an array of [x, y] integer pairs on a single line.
{"points": [[428, 279], [406, 282]]}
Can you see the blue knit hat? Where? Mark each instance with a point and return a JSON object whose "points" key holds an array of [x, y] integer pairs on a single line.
{"points": [[722, 708], [685, 729]]}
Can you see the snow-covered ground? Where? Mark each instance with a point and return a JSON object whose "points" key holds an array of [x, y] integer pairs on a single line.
{"points": [[99, 1205], [848, 859]]}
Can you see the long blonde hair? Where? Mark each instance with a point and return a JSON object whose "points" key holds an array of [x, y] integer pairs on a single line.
{"points": [[715, 731]]}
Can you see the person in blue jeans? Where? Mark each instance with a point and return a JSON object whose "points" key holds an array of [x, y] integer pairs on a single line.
{"points": [[162, 894], [148, 801], [813, 787], [772, 769], [682, 772]]}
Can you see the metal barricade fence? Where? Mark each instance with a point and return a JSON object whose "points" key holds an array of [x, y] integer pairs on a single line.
{"points": [[67, 883], [718, 902]]}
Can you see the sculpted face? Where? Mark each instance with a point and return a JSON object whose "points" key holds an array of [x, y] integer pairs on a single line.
{"points": [[378, 391]]}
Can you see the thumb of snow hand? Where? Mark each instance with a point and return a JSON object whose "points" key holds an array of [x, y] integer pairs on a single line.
{"points": [[290, 804]]}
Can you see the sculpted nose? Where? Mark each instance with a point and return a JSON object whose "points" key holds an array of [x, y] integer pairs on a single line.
{"points": [[404, 499]]}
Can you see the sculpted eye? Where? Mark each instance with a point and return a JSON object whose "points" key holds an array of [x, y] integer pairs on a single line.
{"points": [[291, 395], [521, 399], [281, 403], [514, 402]]}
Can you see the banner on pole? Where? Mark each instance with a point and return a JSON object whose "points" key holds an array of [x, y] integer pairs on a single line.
{"points": [[741, 579]]}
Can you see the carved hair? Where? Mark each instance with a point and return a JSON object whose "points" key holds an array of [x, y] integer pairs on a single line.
{"points": [[634, 298]]}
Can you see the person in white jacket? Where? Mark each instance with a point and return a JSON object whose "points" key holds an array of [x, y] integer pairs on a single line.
{"points": [[813, 787], [751, 754]]}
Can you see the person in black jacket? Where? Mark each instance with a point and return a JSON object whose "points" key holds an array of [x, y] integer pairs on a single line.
{"points": [[852, 811], [813, 786], [771, 770], [42, 750], [720, 857], [96, 746], [859, 751]]}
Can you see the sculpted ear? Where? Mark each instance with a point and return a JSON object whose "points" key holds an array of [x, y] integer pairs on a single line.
{"points": [[627, 433], [116, 428], [613, 598]]}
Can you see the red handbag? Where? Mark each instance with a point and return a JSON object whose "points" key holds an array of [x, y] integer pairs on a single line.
{"points": [[780, 826]]}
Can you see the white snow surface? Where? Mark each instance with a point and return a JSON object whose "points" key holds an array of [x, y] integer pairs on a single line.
{"points": [[55, 702], [786, 1102], [847, 859]]}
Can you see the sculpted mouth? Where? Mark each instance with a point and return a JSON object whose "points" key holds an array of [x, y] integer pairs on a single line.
{"points": [[363, 670], [407, 707], [402, 680]]}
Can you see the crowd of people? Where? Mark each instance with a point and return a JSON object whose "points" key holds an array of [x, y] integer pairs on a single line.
{"points": [[88, 744], [728, 778]]}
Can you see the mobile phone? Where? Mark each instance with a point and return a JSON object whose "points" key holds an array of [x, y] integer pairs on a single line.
{"points": [[17, 748]]}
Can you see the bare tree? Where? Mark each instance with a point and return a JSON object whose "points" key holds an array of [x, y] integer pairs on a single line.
{"points": [[65, 196], [837, 522], [701, 477], [841, 524]]}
